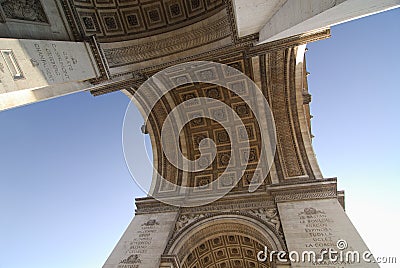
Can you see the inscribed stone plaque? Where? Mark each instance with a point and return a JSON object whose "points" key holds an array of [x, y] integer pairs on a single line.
{"points": [[31, 64], [143, 242], [317, 226]]}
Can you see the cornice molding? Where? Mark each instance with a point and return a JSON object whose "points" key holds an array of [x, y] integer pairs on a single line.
{"points": [[304, 190]]}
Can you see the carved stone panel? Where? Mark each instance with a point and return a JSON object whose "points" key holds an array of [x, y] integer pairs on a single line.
{"points": [[319, 225], [143, 242], [27, 10]]}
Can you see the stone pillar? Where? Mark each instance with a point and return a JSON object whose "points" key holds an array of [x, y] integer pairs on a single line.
{"points": [[35, 70], [143, 243], [314, 222]]}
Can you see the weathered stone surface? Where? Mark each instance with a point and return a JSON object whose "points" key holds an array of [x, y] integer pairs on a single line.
{"points": [[35, 70], [143, 242], [317, 225]]}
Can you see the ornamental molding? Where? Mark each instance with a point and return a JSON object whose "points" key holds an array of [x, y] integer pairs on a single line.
{"points": [[231, 202], [169, 261], [187, 222], [144, 51], [100, 59], [244, 47], [312, 189], [267, 216]]}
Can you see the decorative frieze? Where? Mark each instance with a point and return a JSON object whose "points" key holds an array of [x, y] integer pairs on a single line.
{"points": [[168, 45], [304, 190]]}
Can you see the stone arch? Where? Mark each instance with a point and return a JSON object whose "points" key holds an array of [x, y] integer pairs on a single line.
{"points": [[302, 109], [152, 127], [205, 128], [227, 240]]}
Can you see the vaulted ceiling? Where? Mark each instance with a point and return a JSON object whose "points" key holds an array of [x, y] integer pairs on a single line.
{"points": [[120, 20]]}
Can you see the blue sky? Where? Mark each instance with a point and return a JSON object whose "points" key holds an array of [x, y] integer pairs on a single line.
{"points": [[355, 83], [66, 195]]}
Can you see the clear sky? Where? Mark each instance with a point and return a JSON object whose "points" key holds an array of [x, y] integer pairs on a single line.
{"points": [[66, 195]]}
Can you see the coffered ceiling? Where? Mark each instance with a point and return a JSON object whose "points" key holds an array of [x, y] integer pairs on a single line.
{"points": [[118, 20]]}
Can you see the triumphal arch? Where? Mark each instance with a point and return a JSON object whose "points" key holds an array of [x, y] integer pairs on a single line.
{"points": [[235, 174]]}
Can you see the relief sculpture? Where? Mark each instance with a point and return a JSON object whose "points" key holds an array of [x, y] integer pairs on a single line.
{"points": [[29, 10]]}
